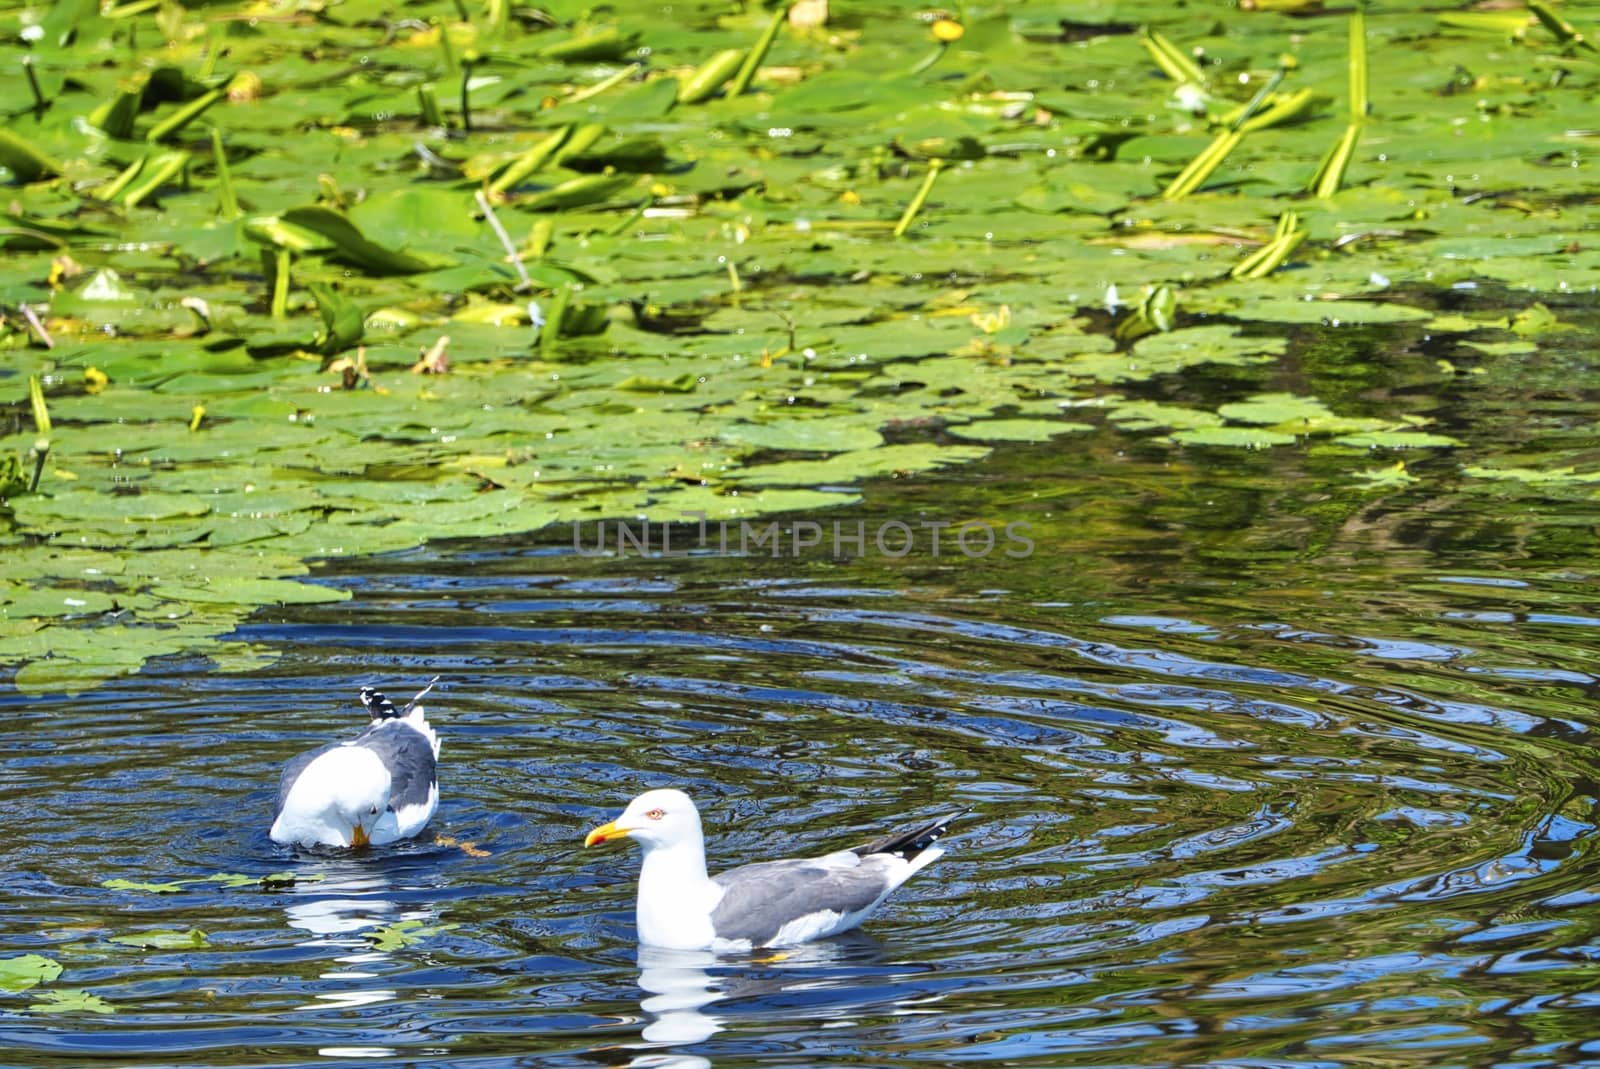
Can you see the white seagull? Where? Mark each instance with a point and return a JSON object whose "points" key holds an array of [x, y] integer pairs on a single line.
{"points": [[373, 789], [768, 904]]}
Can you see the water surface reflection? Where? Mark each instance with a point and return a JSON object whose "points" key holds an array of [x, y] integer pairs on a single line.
{"points": [[1211, 822]]}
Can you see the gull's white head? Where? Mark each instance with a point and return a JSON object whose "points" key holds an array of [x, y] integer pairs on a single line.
{"points": [[654, 819]]}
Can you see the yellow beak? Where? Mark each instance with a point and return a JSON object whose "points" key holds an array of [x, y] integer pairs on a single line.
{"points": [[606, 832], [358, 837]]}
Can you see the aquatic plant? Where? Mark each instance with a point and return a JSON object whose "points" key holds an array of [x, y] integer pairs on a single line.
{"points": [[714, 264]]}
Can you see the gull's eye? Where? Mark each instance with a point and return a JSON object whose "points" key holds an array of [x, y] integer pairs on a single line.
{"points": [[656, 814]]}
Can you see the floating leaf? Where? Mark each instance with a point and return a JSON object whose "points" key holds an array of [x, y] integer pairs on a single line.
{"points": [[405, 933], [245, 591], [21, 973], [164, 939], [19, 602], [1269, 408], [1017, 430], [804, 435], [119, 884], [229, 880], [857, 465], [1151, 415], [70, 1001], [1398, 440], [1239, 437], [1537, 321], [1393, 476], [1335, 313], [1533, 476]]}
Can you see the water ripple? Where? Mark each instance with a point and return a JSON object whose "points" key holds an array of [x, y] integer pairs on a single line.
{"points": [[1250, 845]]}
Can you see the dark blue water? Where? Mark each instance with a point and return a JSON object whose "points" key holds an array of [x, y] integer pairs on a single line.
{"points": [[1257, 776]]}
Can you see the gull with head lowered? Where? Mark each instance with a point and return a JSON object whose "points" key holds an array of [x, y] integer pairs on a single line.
{"points": [[374, 789]]}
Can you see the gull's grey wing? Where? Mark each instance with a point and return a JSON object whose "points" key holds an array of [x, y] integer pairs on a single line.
{"points": [[291, 772], [758, 900], [408, 755]]}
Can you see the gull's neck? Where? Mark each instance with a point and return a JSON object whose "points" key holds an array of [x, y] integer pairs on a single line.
{"points": [[676, 896]]}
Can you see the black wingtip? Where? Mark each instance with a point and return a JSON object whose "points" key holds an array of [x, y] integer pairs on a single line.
{"points": [[909, 842], [379, 707]]}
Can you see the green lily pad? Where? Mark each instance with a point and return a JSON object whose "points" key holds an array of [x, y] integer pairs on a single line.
{"points": [[1017, 430], [804, 435], [1334, 313], [164, 939], [1270, 408], [1153, 415], [1533, 476], [120, 884], [1237, 437], [70, 1001], [402, 934], [21, 973], [225, 590], [1398, 440], [20, 602], [1392, 477], [1538, 321], [732, 324]]}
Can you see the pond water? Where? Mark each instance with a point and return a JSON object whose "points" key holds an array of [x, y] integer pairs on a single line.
{"points": [[1263, 769]]}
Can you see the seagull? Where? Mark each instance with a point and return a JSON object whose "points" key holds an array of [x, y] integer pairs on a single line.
{"points": [[767, 904], [373, 789]]}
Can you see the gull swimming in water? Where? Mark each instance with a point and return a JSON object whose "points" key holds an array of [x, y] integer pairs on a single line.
{"points": [[766, 904], [374, 789]]}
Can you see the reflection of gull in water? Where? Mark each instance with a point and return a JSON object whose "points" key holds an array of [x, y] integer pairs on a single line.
{"points": [[348, 900], [670, 1061], [678, 984], [323, 915]]}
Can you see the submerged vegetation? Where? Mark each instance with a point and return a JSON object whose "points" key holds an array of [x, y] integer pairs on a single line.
{"points": [[294, 280]]}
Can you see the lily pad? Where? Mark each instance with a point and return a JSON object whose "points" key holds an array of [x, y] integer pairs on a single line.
{"points": [[249, 591], [1333, 313], [164, 939], [856, 465], [805, 435], [1017, 430], [70, 1001], [702, 303], [1399, 440], [20, 602], [1236, 437], [21, 973], [402, 934], [1533, 476]]}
